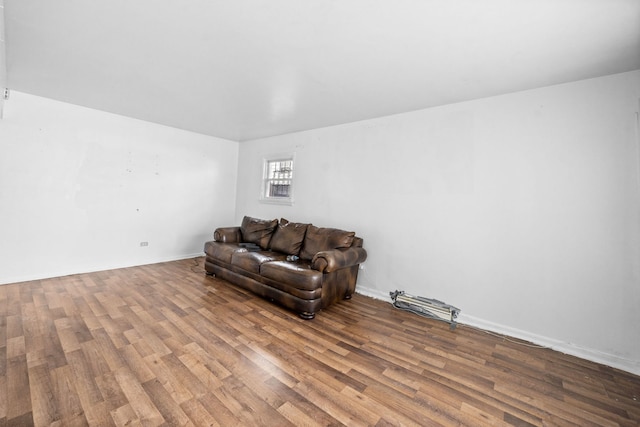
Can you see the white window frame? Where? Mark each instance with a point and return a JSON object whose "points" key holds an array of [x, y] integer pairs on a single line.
{"points": [[266, 196]]}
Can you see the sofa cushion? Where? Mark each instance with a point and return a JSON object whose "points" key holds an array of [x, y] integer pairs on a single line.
{"points": [[257, 231], [296, 274], [227, 235], [288, 236], [324, 239], [251, 261]]}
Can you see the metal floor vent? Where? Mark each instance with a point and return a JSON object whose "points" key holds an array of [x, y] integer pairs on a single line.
{"points": [[426, 307]]}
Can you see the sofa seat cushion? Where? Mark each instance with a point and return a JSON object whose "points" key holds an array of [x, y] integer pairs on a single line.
{"points": [[251, 261], [297, 274], [222, 251]]}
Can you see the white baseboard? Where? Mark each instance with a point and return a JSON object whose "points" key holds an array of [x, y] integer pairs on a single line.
{"points": [[627, 365], [632, 366], [373, 293], [91, 269]]}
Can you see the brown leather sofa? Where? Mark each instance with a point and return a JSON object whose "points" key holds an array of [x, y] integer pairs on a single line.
{"points": [[303, 267]]}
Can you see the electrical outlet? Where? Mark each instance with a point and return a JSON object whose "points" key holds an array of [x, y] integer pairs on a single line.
{"points": [[144, 243]]}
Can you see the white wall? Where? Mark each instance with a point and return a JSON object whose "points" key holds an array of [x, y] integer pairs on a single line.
{"points": [[80, 189], [3, 58], [522, 210]]}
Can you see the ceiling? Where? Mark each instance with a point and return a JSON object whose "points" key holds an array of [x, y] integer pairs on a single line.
{"points": [[246, 69]]}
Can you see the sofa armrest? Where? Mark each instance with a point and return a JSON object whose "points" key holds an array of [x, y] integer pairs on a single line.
{"points": [[227, 235], [335, 259]]}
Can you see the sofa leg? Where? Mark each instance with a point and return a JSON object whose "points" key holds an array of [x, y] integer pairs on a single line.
{"points": [[307, 316], [348, 296], [209, 274]]}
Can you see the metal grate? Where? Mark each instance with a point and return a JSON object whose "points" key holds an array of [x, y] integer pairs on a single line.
{"points": [[278, 178], [426, 307]]}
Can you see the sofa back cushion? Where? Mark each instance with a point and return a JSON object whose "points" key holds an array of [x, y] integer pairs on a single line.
{"points": [[288, 236], [320, 239], [257, 231]]}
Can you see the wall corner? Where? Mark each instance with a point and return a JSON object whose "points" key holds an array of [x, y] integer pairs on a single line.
{"points": [[3, 59]]}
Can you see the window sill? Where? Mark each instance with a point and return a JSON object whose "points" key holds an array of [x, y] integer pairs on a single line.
{"points": [[273, 201]]}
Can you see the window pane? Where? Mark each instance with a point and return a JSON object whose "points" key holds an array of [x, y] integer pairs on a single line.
{"points": [[278, 179], [279, 190]]}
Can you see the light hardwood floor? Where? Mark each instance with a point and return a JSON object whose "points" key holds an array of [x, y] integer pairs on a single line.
{"points": [[165, 345]]}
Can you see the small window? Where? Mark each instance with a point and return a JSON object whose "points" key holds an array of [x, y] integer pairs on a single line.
{"points": [[277, 180]]}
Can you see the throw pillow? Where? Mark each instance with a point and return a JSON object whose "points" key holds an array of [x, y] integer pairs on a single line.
{"points": [[288, 237], [257, 231], [324, 239]]}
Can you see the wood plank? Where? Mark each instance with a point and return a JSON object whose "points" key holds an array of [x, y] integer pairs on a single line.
{"points": [[43, 401], [296, 416], [111, 392], [18, 392], [67, 401], [198, 415], [139, 400], [169, 408], [125, 416]]}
